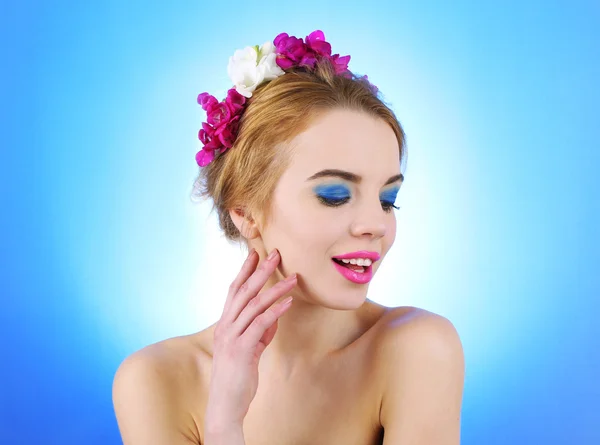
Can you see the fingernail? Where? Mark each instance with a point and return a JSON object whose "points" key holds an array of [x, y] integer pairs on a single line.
{"points": [[287, 301], [272, 254], [251, 252], [291, 278]]}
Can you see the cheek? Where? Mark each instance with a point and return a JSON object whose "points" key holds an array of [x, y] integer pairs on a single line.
{"points": [[390, 235], [304, 220], [314, 233], [304, 234], [294, 229]]}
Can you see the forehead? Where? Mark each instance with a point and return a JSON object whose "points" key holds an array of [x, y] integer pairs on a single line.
{"points": [[347, 140]]}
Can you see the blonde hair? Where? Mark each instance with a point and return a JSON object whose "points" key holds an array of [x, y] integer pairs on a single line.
{"points": [[245, 176]]}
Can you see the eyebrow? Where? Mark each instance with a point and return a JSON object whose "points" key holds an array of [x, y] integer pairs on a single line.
{"points": [[348, 176]]}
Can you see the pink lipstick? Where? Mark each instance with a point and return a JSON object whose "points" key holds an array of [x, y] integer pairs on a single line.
{"points": [[373, 256], [353, 275]]}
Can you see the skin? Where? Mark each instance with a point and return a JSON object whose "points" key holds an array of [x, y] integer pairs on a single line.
{"points": [[308, 233], [340, 367]]}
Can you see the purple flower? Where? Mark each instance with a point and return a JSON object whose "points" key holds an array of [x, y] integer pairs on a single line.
{"points": [[340, 63], [290, 50], [235, 101], [203, 157], [207, 101], [280, 38], [234, 125], [227, 132], [309, 59], [218, 114], [206, 133], [208, 138], [221, 128], [316, 42], [284, 63]]}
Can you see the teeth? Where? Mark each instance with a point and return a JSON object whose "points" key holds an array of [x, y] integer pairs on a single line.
{"points": [[359, 261]]}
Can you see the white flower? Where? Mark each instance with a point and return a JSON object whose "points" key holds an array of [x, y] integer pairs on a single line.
{"points": [[251, 66]]}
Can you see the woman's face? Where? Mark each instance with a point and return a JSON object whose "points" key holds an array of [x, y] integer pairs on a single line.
{"points": [[316, 215]]}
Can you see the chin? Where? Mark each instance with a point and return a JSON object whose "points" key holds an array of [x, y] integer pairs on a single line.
{"points": [[342, 299]]}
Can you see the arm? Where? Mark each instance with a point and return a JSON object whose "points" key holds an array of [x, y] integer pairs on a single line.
{"points": [[145, 403], [424, 382]]}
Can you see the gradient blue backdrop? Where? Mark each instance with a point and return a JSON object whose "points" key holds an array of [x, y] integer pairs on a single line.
{"points": [[102, 249]]}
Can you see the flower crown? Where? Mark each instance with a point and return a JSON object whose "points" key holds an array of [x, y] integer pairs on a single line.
{"points": [[250, 67]]}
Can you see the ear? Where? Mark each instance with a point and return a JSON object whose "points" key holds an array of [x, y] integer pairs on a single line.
{"points": [[244, 223]]}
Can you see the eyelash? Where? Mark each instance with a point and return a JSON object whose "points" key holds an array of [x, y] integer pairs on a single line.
{"points": [[387, 206]]}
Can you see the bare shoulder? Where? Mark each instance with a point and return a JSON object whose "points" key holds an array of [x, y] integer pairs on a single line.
{"points": [[423, 365], [412, 337], [156, 391], [413, 327]]}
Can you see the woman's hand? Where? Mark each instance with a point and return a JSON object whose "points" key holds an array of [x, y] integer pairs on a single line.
{"points": [[245, 329]]}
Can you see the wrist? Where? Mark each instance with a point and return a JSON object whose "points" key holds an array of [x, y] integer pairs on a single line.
{"points": [[232, 434]]}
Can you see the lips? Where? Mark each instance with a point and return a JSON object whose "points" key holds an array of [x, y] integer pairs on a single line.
{"points": [[352, 275], [373, 256]]}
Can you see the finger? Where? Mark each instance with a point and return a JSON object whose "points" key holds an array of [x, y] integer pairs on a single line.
{"points": [[269, 334], [247, 269], [260, 303], [253, 285], [251, 337], [266, 339]]}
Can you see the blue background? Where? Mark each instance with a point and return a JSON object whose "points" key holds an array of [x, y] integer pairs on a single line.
{"points": [[103, 252]]}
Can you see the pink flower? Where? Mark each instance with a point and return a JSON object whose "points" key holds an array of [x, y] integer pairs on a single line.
{"points": [[207, 101], [218, 114], [340, 63], [203, 157], [227, 132], [284, 63], [316, 42], [309, 59], [235, 101], [220, 131], [208, 138], [280, 39], [206, 133], [290, 50], [234, 124]]}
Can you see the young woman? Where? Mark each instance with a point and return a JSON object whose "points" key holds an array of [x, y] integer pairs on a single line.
{"points": [[302, 162]]}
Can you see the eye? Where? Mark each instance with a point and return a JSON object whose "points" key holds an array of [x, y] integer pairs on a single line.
{"points": [[387, 206], [389, 197], [333, 202], [333, 195]]}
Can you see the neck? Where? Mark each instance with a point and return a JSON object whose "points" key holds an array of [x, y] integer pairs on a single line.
{"points": [[309, 334]]}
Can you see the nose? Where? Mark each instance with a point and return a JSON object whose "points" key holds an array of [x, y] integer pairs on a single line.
{"points": [[370, 220]]}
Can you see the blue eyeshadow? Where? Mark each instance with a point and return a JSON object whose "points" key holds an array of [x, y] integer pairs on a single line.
{"points": [[334, 191], [390, 195]]}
